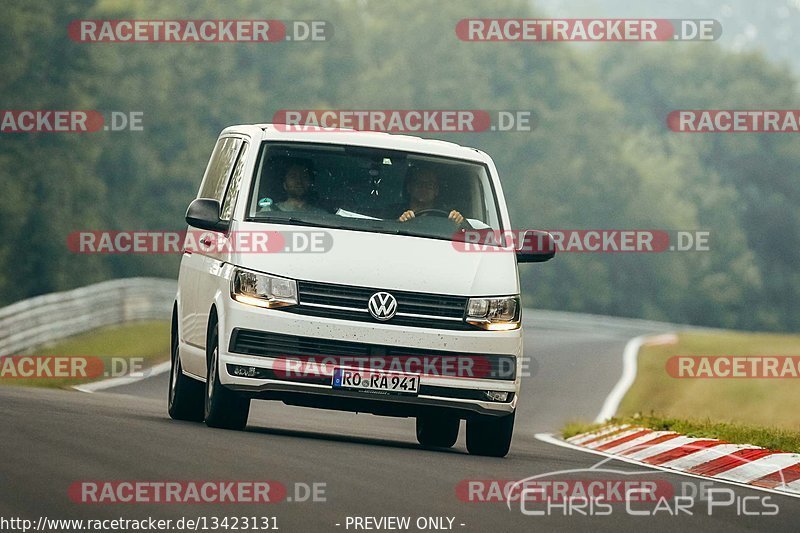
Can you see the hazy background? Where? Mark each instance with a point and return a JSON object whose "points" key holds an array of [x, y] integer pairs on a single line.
{"points": [[601, 157]]}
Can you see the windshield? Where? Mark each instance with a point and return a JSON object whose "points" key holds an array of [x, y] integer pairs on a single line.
{"points": [[371, 189]]}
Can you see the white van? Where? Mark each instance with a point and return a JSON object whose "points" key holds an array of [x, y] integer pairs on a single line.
{"points": [[365, 297]]}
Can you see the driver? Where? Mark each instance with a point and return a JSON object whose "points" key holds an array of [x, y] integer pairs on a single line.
{"points": [[423, 190]]}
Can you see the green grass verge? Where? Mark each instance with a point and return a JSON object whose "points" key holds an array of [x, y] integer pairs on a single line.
{"points": [[742, 411], [755, 402], [147, 342], [577, 427]]}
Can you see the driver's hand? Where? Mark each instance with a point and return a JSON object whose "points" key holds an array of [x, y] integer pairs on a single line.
{"points": [[455, 216], [408, 215]]}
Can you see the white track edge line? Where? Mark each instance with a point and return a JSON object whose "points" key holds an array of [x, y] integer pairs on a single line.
{"points": [[123, 380], [549, 438], [629, 360]]}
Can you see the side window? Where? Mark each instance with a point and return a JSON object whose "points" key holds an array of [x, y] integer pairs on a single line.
{"points": [[233, 187], [219, 168]]}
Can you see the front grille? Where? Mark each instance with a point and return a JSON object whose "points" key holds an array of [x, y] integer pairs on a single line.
{"points": [[350, 303], [372, 356], [252, 342]]}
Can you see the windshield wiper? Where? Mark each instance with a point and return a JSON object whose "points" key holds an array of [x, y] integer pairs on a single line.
{"points": [[371, 228], [406, 233], [293, 221], [392, 231]]}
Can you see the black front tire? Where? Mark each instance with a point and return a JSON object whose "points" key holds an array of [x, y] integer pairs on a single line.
{"points": [[185, 395], [490, 435], [440, 431], [224, 408]]}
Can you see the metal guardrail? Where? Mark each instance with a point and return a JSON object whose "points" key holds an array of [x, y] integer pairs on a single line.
{"points": [[567, 320], [36, 321], [26, 324]]}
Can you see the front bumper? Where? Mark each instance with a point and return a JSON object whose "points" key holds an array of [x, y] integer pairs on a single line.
{"points": [[455, 394]]}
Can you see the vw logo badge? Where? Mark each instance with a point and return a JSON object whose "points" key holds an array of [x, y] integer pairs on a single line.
{"points": [[382, 306]]}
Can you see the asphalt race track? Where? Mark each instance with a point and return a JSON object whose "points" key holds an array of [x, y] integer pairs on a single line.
{"points": [[370, 466]]}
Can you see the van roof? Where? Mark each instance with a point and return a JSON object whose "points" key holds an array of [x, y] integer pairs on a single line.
{"points": [[409, 143]]}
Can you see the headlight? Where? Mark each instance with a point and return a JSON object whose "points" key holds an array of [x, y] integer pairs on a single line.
{"points": [[497, 314], [262, 290]]}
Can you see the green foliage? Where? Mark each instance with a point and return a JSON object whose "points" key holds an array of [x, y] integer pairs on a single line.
{"points": [[600, 157]]}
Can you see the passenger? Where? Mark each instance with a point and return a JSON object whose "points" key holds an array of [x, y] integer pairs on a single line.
{"points": [[298, 183]]}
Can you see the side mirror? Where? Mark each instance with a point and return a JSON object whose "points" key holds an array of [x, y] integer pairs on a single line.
{"points": [[536, 247], [203, 213]]}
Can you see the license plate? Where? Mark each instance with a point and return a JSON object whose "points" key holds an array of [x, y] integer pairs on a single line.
{"points": [[375, 382]]}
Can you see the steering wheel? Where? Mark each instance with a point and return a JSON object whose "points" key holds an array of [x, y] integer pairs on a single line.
{"points": [[432, 212]]}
